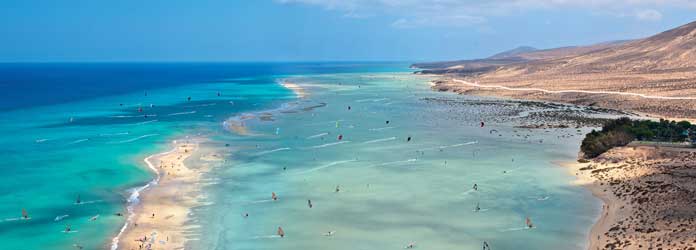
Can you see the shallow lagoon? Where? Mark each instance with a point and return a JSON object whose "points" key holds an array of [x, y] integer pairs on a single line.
{"points": [[393, 191]]}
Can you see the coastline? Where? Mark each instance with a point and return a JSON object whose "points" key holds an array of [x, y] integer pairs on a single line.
{"points": [[169, 197], [237, 124], [606, 216], [153, 195], [636, 213], [295, 88], [645, 191], [174, 190]]}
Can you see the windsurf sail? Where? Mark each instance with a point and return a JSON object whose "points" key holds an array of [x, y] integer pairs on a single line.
{"points": [[529, 222], [281, 233], [274, 196], [25, 215]]}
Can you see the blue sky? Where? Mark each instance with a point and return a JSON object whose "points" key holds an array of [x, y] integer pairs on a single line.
{"points": [[317, 30]]}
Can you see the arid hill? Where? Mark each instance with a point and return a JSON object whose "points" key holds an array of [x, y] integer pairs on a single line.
{"points": [[514, 56], [663, 65]]}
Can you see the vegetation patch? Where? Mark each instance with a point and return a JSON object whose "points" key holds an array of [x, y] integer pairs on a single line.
{"points": [[620, 132]]}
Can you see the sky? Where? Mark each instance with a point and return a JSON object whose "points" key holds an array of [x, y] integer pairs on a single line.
{"points": [[317, 30]]}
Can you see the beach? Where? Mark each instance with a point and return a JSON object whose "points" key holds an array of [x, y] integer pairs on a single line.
{"points": [[297, 89], [158, 221], [369, 150], [403, 157], [648, 195], [168, 229]]}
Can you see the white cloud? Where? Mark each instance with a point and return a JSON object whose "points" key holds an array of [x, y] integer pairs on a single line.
{"points": [[648, 15], [456, 20], [416, 13]]}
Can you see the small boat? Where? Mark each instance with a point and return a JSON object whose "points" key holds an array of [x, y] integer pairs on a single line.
{"points": [[330, 233], [410, 245]]}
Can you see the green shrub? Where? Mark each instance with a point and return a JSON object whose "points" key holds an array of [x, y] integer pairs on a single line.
{"points": [[622, 131]]}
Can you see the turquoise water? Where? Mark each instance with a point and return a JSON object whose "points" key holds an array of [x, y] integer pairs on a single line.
{"points": [[74, 130], [392, 191]]}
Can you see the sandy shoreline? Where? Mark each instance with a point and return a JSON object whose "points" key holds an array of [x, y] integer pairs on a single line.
{"points": [[158, 220], [297, 89], [648, 195]]}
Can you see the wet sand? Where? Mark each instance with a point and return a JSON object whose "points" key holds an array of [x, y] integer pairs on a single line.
{"points": [[237, 124], [297, 89], [649, 197], [158, 221]]}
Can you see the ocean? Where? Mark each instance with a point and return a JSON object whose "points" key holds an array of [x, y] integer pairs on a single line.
{"points": [[384, 160]]}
